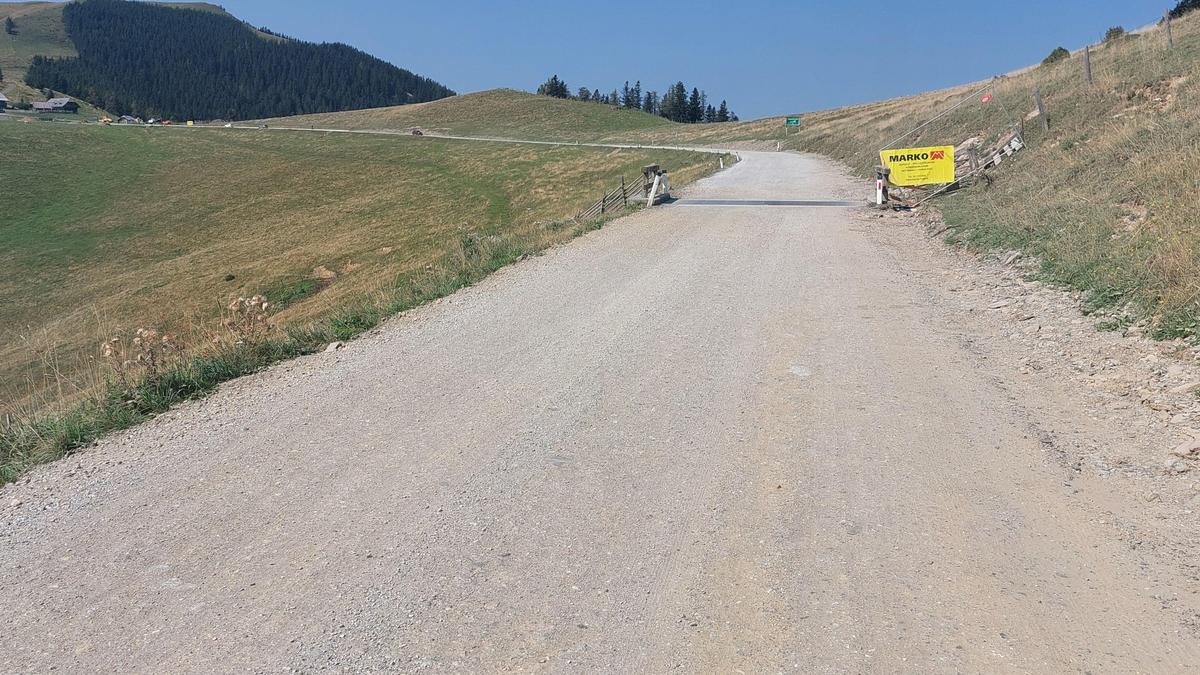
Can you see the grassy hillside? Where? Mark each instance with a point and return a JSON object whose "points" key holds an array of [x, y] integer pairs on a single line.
{"points": [[111, 229], [496, 113], [1105, 198]]}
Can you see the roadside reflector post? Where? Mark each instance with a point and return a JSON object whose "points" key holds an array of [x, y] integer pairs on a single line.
{"points": [[654, 178], [881, 190]]}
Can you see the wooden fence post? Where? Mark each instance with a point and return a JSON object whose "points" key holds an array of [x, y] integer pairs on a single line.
{"points": [[624, 197], [603, 198], [1170, 38], [1041, 108], [1087, 63]]}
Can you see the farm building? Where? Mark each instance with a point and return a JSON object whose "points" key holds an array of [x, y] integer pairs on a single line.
{"points": [[64, 105]]}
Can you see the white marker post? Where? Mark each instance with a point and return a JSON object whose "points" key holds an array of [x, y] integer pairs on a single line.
{"points": [[653, 191]]}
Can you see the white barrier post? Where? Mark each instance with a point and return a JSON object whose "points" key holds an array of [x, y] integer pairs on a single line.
{"points": [[653, 191]]}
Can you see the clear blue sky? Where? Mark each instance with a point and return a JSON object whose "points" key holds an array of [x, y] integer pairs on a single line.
{"points": [[767, 57]]}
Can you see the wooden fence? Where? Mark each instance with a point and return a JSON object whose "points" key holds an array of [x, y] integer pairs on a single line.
{"points": [[617, 199]]}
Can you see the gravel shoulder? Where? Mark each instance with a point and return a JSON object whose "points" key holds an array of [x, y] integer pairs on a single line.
{"points": [[700, 439]]}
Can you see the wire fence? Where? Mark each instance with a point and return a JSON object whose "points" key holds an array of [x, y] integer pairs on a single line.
{"points": [[616, 199], [980, 125]]}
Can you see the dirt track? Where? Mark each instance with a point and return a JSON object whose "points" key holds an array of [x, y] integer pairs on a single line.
{"points": [[704, 438]]}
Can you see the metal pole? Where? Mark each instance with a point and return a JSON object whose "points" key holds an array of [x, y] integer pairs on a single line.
{"points": [[1041, 108], [1087, 63]]}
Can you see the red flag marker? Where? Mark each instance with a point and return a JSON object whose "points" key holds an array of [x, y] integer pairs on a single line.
{"points": [[986, 98]]}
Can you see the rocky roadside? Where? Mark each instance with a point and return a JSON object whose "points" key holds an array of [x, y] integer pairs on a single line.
{"points": [[1117, 411]]}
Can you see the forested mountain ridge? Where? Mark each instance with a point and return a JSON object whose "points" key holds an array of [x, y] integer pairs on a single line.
{"points": [[157, 61]]}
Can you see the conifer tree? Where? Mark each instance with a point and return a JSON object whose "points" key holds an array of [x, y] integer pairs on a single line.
{"points": [[10, 26], [584, 94], [650, 102], [723, 112], [695, 108], [637, 95], [675, 104], [554, 87]]}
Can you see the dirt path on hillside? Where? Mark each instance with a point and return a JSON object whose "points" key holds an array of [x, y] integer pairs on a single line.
{"points": [[702, 439]]}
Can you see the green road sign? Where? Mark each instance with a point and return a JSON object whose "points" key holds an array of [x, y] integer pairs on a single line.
{"points": [[792, 122]]}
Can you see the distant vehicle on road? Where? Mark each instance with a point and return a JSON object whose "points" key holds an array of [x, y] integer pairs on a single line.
{"points": [[418, 132], [262, 126]]}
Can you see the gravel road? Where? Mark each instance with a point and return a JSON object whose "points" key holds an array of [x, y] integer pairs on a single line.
{"points": [[705, 438]]}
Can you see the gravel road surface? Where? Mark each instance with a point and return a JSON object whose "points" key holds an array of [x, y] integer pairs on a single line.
{"points": [[707, 438]]}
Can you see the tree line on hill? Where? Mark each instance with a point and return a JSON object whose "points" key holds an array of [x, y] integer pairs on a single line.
{"points": [[154, 61], [675, 104], [10, 27], [1113, 34], [1117, 32], [1184, 7]]}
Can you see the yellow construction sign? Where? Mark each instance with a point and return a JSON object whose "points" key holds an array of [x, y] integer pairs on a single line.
{"points": [[919, 166]]}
